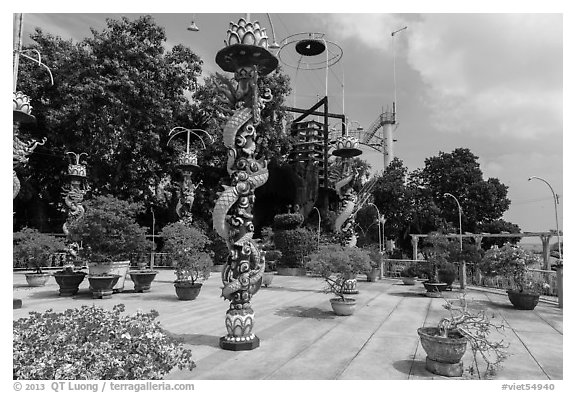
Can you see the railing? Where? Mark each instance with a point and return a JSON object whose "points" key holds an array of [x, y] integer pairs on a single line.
{"points": [[394, 268]]}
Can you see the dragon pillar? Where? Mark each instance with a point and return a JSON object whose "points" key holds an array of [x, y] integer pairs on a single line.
{"points": [[246, 55]]}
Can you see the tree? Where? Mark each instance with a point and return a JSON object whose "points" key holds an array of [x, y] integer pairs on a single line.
{"points": [[498, 226], [459, 174], [116, 96]]}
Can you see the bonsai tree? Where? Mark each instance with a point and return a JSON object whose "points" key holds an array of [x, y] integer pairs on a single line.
{"points": [[436, 251], [33, 248], [188, 247], [109, 231], [477, 328], [336, 264]]}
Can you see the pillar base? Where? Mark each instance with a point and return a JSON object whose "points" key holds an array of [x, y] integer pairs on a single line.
{"points": [[231, 345]]}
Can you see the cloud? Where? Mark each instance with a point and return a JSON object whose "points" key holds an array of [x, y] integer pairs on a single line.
{"points": [[491, 74]]}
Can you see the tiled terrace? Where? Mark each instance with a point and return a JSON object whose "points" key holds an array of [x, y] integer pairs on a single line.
{"points": [[302, 339]]}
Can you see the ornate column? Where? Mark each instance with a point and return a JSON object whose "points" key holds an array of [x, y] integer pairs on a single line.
{"points": [[73, 194], [187, 162], [247, 56], [22, 147], [345, 223]]}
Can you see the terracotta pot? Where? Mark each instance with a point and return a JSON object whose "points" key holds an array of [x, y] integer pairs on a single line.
{"points": [[444, 354], [523, 300], [187, 290], [102, 286], [142, 279], [267, 278], [343, 307], [113, 267], [37, 279], [69, 282]]}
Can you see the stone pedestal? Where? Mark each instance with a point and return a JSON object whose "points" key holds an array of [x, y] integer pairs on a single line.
{"points": [[445, 369]]}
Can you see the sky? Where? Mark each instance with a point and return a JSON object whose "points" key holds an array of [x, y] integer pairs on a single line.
{"points": [[491, 82]]}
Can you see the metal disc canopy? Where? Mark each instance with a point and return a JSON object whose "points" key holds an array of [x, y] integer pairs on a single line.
{"points": [[346, 147], [309, 51]]}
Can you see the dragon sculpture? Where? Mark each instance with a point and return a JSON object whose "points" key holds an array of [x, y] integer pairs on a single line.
{"points": [[246, 55]]}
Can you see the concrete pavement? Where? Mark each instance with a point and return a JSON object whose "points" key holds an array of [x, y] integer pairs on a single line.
{"points": [[302, 339]]}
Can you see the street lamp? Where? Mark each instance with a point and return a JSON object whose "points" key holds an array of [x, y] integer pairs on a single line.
{"points": [[379, 228], [379, 240], [556, 202], [459, 216], [463, 263], [319, 220]]}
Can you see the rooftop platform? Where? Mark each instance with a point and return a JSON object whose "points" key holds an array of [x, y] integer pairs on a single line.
{"points": [[302, 339]]}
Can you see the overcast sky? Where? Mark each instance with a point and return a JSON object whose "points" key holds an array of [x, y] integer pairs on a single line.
{"points": [[490, 82]]}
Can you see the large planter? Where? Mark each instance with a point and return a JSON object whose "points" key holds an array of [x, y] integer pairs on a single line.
{"points": [[37, 279], [187, 290], [142, 279], [291, 271], [523, 300], [373, 275], [69, 282], [113, 267], [102, 286], [443, 354], [434, 289], [409, 280], [267, 278], [343, 307]]}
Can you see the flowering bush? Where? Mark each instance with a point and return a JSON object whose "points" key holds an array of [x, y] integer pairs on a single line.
{"points": [[93, 343], [512, 262], [189, 249]]}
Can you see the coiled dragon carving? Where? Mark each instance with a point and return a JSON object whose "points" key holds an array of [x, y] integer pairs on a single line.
{"points": [[232, 214]]}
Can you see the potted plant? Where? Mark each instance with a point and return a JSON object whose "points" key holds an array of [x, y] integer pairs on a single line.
{"points": [[110, 235], [410, 273], [143, 276], [188, 248], [89, 343], [33, 249], [512, 263], [375, 257], [336, 265], [446, 343], [447, 272], [436, 252], [271, 257]]}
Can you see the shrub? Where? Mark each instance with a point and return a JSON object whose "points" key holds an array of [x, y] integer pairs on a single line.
{"points": [[33, 248], [188, 248], [412, 270], [109, 230], [512, 262], [288, 221], [93, 343], [295, 245]]}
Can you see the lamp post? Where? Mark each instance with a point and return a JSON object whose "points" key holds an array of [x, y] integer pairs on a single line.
{"points": [[463, 263], [556, 202], [319, 220], [379, 239]]}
